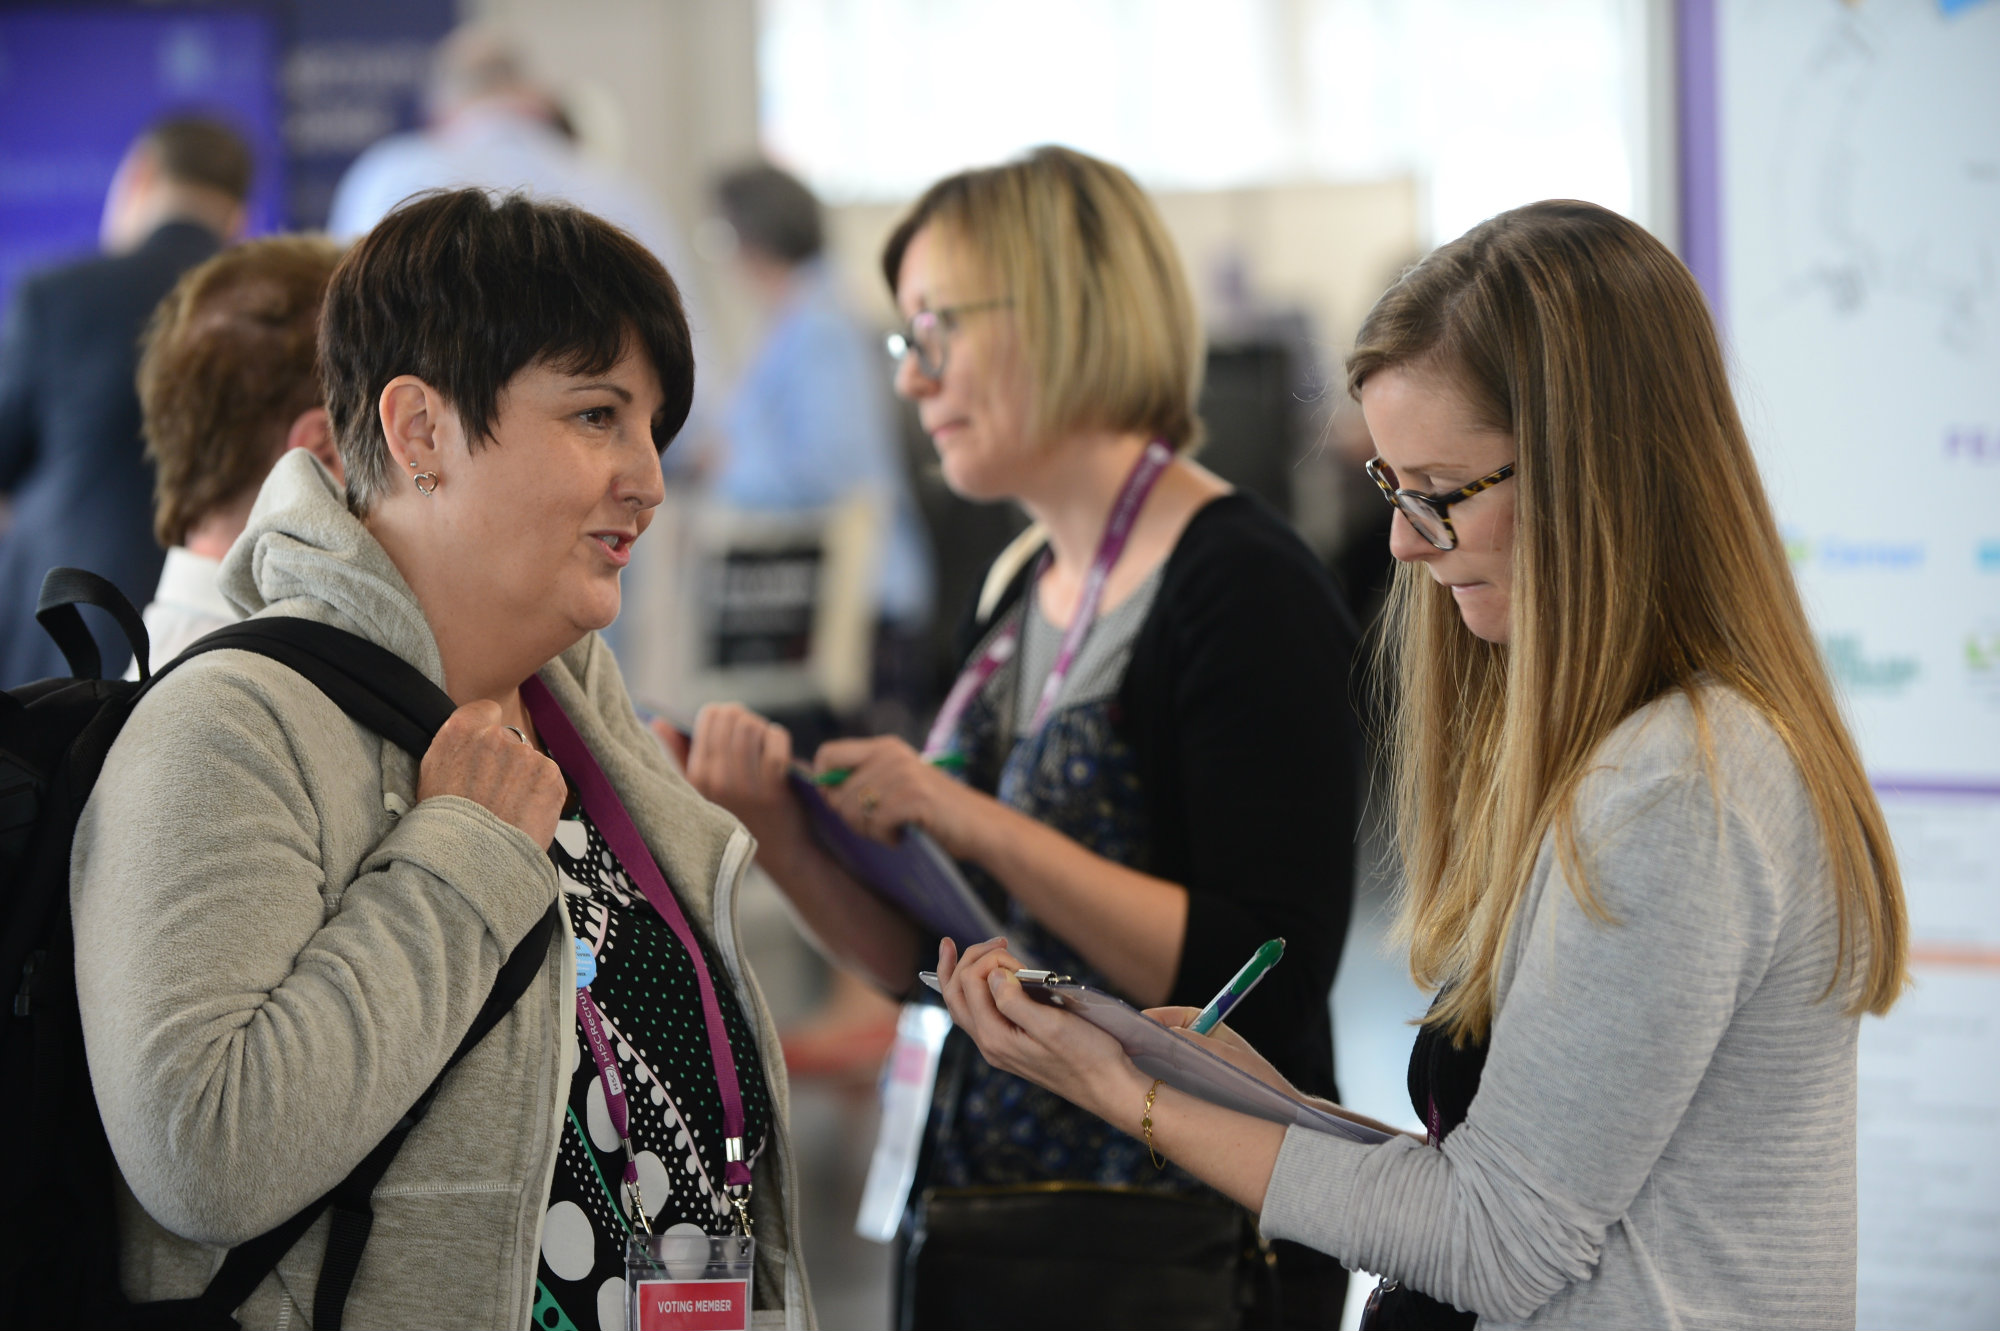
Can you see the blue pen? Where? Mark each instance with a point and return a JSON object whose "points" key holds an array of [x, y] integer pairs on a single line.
{"points": [[1240, 984]]}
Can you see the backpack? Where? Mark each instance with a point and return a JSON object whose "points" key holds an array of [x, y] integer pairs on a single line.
{"points": [[60, 1266]]}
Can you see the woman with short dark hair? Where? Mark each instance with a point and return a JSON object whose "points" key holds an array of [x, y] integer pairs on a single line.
{"points": [[285, 925]]}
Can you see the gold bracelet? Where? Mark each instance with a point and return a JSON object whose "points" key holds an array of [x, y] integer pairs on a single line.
{"points": [[1146, 1123]]}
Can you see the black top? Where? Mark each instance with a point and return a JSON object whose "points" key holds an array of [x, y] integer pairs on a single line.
{"points": [[72, 464], [1442, 1082], [1248, 760]]}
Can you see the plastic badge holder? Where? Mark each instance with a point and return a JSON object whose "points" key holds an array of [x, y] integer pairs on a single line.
{"points": [[688, 1282]]}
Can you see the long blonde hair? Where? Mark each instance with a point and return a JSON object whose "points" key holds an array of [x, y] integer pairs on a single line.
{"points": [[1646, 559]]}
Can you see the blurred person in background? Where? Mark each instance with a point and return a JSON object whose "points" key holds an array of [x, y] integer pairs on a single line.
{"points": [[1158, 758], [809, 424], [228, 382], [492, 125], [72, 467]]}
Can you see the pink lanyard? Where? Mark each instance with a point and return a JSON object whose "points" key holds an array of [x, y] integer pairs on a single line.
{"points": [[615, 824], [1152, 464]]}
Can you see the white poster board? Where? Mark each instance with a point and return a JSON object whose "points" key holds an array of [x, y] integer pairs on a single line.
{"points": [[1844, 213]]}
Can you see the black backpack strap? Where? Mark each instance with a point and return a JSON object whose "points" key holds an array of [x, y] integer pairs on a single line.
{"points": [[353, 1200], [63, 590], [372, 684], [393, 698]]}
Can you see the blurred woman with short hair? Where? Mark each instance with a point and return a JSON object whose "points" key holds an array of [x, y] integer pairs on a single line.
{"points": [[1158, 756], [228, 383]]}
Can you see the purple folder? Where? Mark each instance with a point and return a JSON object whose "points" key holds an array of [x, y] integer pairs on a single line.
{"points": [[1183, 1063], [915, 874]]}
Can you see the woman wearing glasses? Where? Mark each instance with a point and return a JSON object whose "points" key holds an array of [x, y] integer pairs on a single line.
{"points": [[1159, 758], [1644, 868]]}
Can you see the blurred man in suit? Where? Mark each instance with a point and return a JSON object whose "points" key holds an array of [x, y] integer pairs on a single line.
{"points": [[71, 462]]}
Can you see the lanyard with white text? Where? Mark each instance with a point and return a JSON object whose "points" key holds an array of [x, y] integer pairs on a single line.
{"points": [[614, 1100], [615, 824], [1117, 531]]}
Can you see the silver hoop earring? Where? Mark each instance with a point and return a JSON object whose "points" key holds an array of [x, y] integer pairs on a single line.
{"points": [[421, 477]]}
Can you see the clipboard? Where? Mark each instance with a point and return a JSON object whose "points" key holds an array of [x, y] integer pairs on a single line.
{"points": [[914, 875], [1183, 1064]]}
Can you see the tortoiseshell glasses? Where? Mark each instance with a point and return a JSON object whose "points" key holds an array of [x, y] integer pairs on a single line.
{"points": [[1429, 513]]}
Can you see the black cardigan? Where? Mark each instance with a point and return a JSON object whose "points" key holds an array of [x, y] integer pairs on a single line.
{"points": [[1236, 706]]}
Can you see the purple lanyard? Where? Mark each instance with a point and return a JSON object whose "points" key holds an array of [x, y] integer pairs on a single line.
{"points": [[608, 812], [1152, 464], [614, 1098]]}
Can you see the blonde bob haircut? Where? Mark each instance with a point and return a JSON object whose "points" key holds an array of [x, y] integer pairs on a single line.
{"points": [[1096, 285], [1646, 562]]}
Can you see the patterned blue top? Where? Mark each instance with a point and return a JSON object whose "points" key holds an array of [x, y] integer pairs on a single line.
{"points": [[1081, 779]]}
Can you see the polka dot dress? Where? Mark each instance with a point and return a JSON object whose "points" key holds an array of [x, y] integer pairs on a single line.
{"points": [[650, 1000]]}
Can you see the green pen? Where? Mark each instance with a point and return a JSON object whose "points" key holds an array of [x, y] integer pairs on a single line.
{"points": [[833, 776], [1240, 984]]}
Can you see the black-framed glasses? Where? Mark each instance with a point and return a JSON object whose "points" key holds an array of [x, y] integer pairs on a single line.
{"points": [[1429, 514], [927, 335]]}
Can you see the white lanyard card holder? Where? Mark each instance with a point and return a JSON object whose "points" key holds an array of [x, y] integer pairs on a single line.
{"points": [[907, 1083], [681, 1280]]}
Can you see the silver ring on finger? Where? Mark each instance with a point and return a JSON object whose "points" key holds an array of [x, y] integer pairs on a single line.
{"points": [[515, 731]]}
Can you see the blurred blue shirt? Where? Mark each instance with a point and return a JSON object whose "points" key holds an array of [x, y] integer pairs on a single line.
{"points": [[810, 425]]}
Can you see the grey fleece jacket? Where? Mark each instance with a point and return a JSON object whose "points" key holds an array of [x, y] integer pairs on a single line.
{"points": [[1664, 1132], [278, 947]]}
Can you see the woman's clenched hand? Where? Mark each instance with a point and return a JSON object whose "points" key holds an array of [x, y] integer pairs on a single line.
{"points": [[740, 760], [1225, 1044], [474, 756]]}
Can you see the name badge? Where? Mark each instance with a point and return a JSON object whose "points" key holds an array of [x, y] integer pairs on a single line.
{"points": [[693, 1305], [686, 1281]]}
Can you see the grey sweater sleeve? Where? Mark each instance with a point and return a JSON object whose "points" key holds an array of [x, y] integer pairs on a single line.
{"points": [[254, 1029], [1604, 1034]]}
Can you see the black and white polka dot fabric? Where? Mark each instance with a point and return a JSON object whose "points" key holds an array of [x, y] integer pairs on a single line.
{"points": [[647, 993]]}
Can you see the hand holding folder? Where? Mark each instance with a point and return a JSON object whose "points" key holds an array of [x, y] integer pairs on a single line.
{"points": [[1182, 1061], [914, 874]]}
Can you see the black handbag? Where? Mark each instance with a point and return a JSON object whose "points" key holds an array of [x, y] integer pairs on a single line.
{"points": [[1083, 1255]]}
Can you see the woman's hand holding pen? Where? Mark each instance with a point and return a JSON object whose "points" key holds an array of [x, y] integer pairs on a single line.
{"points": [[889, 785], [744, 763], [1051, 1048]]}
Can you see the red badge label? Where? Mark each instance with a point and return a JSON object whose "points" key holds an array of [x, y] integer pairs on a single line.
{"points": [[694, 1305]]}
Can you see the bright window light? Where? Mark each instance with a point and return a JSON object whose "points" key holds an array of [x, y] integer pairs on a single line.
{"points": [[1489, 105]]}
